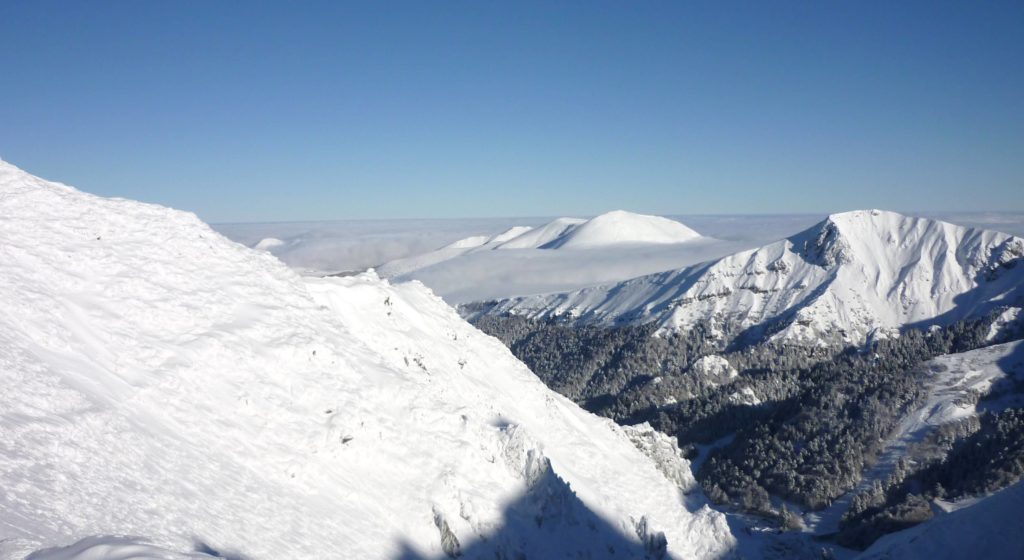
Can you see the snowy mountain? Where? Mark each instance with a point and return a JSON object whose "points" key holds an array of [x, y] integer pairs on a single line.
{"points": [[564, 254], [458, 248], [171, 394], [854, 275], [545, 235], [612, 228], [621, 227]]}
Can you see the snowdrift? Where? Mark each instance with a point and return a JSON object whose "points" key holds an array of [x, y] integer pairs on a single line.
{"points": [[171, 394]]}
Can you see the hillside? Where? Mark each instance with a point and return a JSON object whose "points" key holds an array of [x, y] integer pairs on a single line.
{"points": [[563, 254], [854, 275], [852, 372], [169, 393], [990, 528], [612, 228]]}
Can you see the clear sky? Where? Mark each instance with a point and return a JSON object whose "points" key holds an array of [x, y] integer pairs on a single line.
{"points": [[252, 111]]}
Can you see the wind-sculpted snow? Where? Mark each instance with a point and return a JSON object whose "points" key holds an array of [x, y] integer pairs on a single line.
{"points": [[854, 275], [170, 394]]}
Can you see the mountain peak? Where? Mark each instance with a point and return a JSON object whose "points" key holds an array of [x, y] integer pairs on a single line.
{"points": [[622, 227], [868, 214], [226, 396], [617, 227], [867, 234], [839, 280]]}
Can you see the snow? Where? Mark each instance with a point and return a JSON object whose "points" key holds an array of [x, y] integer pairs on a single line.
{"points": [[113, 548], [715, 368], [664, 451], [991, 528], [620, 227], [327, 247], [839, 281], [1008, 324], [563, 254], [510, 234], [617, 227], [323, 248], [168, 392], [953, 383], [480, 275], [745, 396], [404, 266], [543, 235], [468, 242], [268, 243]]}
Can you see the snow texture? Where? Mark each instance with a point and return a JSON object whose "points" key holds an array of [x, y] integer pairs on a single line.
{"points": [[715, 369], [991, 528], [563, 254], [172, 394], [612, 228], [954, 383], [607, 230], [854, 275]]}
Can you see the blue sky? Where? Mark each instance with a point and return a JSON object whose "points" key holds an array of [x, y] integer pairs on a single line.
{"points": [[253, 111]]}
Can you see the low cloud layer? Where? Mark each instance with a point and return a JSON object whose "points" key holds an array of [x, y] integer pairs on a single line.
{"points": [[341, 246]]}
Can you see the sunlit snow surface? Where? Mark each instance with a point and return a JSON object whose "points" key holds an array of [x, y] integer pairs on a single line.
{"points": [[990, 528], [169, 393], [853, 275], [953, 382], [332, 247]]}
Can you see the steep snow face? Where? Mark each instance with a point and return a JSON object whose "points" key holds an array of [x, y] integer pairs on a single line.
{"points": [[853, 275], [163, 382]]}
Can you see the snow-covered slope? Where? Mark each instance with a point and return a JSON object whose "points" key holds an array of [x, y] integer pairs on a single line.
{"points": [[162, 383], [399, 267], [612, 228], [620, 227], [991, 528], [953, 384], [524, 260], [544, 235], [850, 276], [607, 230]]}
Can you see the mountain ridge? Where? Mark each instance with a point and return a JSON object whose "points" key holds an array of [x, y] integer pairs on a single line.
{"points": [[853, 275], [164, 382]]}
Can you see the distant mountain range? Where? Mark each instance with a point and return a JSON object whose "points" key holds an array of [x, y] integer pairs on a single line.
{"points": [[609, 230], [853, 276]]}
